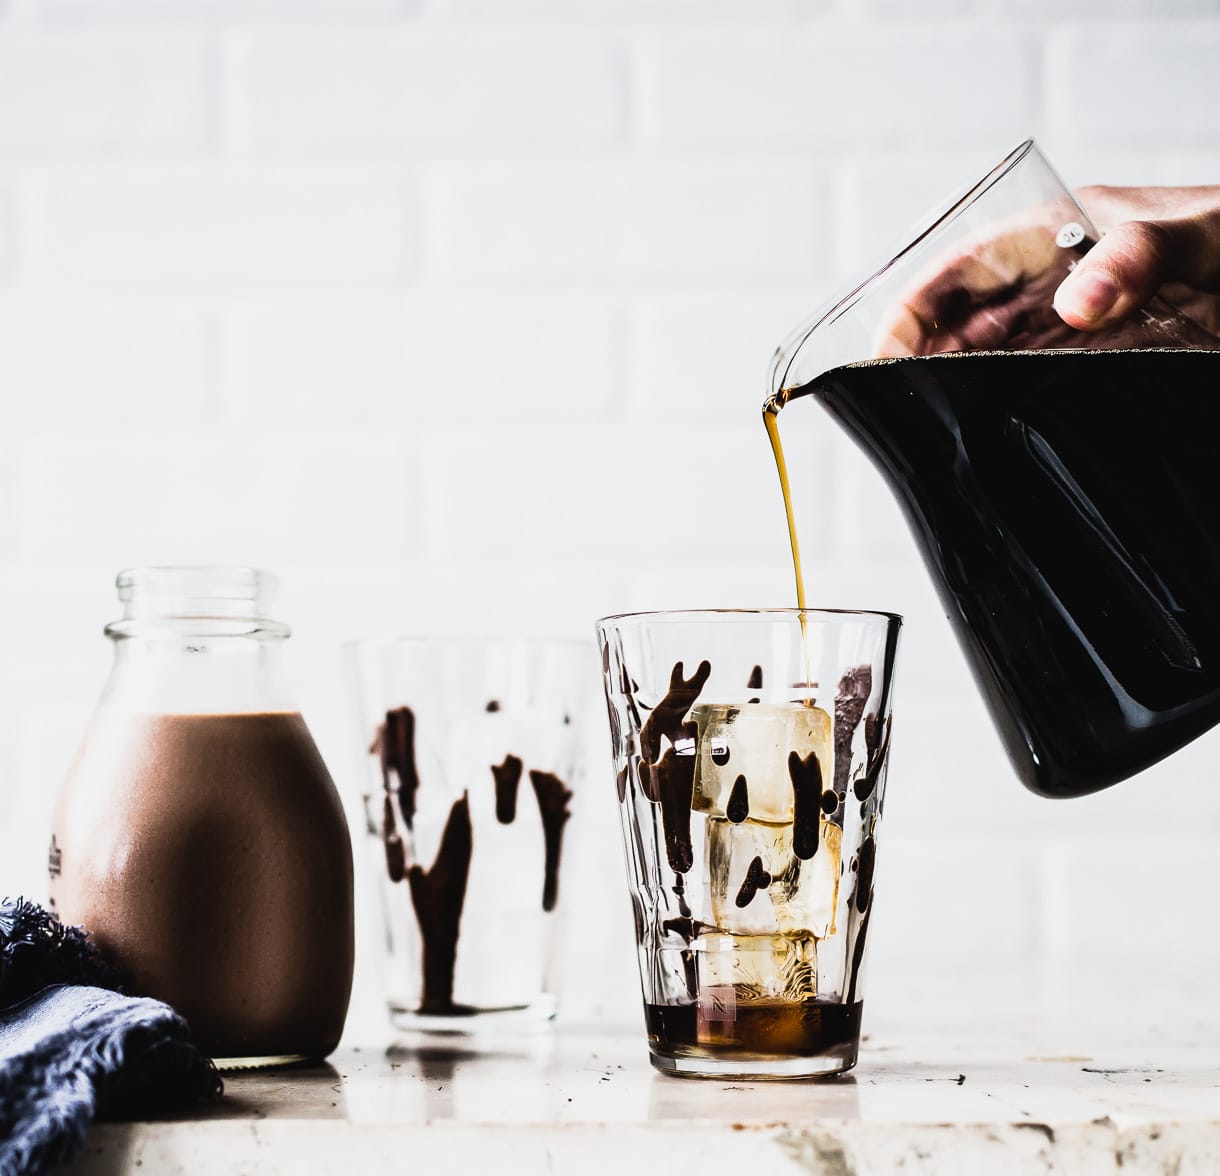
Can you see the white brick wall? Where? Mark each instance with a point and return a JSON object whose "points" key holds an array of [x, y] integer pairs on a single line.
{"points": [[408, 360], [8, 230], [846, 86], [671, 222], [84, 365], [158, 497], [165, 12], [1085, 60], [86, 94], [373, 91], [202, 224], [421, 302]]}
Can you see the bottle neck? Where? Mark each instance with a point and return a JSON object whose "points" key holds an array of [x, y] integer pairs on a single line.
{"points": [[188, 673], [215, 600], [196, 640]]}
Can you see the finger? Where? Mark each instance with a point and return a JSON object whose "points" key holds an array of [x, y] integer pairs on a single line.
{"points": [[1108, 207], [1127, 267], [934, 311]]}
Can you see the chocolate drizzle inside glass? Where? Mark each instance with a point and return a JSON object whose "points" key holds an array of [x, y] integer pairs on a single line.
{"points": [[553, 797], [438, 894], [806, 774], [395, 744], [507, 776]]}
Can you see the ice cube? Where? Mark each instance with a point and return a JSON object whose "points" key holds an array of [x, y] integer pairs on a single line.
{"points": [[742, 861], [753, 741], [806, 896], [755, 968], [757, 885]]}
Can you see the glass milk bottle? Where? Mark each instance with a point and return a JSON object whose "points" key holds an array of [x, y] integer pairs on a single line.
{"points": [[198, 835]]}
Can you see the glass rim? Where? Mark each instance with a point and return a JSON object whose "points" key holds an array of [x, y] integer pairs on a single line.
{"points": [[972, 192], [181, 600], [692, 615], [203, 581], [181, 627], [950, 209]]}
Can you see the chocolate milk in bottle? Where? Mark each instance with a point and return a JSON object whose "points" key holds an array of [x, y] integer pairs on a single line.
{"points": [[198, 835]]}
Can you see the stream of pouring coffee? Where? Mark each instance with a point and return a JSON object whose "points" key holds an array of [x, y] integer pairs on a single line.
{"points": [[771, 421]]}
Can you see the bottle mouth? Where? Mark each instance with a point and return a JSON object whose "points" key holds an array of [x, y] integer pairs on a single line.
{"points": [[234, 598]]}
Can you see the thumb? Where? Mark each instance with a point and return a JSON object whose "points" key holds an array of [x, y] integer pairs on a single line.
{"points": [[1130, 263]]}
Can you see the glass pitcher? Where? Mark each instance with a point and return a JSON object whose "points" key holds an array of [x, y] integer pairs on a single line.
{"points": [[198, 835], [1062, 485]]}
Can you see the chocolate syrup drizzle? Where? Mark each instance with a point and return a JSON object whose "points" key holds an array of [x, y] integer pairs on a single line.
{"points": [[756, 679], [738, 807], [673, 783], [862, 900], [395, 851], [756, 879], [620, 782], [806, 775], [679, 889], [876, 742], [857, 957], [507, 776], [395, 744], [553, 797], [854, 688], [686, 927], [864, 877], [668, 715], [438, 896], [669, 778]]}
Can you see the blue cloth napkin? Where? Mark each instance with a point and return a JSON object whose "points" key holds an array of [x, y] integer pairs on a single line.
{"points": [[70, 1053]]}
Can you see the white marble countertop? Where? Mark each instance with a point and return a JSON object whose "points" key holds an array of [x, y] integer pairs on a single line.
{"points": [[1121, 1085]]}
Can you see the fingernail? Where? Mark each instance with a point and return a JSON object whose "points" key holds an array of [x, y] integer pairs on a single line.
{"points": [[1087, 295]]}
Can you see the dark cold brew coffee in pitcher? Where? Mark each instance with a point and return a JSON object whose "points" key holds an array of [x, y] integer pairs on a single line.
{"points": [[1063, 487]]}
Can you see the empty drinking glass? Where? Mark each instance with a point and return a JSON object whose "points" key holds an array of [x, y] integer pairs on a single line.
{"points": [[471, 751]]}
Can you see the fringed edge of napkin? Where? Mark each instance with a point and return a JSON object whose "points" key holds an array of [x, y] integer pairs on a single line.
{"points": [[121, 1055]]}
